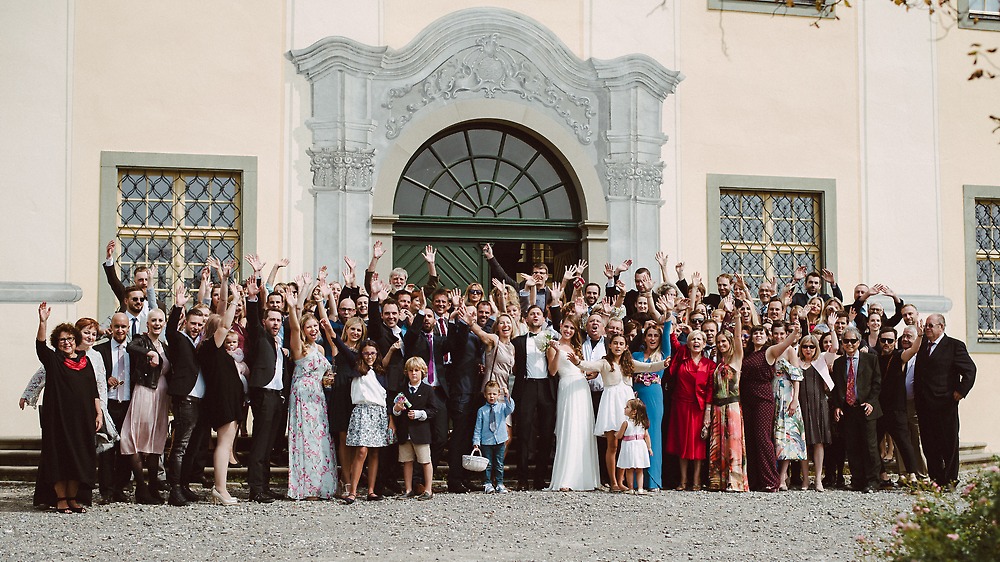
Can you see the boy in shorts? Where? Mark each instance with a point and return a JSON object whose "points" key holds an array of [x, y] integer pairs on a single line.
{"points": [[412, 409]]}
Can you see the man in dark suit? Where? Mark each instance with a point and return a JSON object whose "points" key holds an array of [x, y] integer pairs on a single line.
{"points": [[269, 382], [465, 378], [857, 382], [114, 468], [942, 376], [186, 387], [535, 395], [423, 341], [892, 362]]}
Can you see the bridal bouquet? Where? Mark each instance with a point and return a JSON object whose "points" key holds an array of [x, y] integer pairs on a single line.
{"points": [[543, 341], [646, 379]]}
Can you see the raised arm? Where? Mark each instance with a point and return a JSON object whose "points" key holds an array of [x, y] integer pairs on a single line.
{"points": [[227, 319], [294, 330], [283, 262], [661, 260], [109, 271], [779, 348], [490, 340], [496, 270]]}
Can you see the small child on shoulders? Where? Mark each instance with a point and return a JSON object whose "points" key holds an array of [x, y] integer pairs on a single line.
{"points": [[414, 407], [490, 435]]}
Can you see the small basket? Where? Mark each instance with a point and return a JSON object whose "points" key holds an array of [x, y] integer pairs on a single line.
{"points": [[475, 462]]}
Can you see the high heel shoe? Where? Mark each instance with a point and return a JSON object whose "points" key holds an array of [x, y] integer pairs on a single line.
{"points": [[217, 498]]}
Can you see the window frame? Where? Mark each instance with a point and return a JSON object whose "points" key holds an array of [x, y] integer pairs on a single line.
{"points": [[971, 194], [987, 22], [773, 8], [112, 162], [826, 188]]}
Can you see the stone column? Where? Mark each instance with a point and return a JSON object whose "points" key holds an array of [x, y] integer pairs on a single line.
{"points": [[342, 189]]}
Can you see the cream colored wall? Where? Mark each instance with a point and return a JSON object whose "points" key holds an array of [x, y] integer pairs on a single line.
{"points": [[969, 155]]}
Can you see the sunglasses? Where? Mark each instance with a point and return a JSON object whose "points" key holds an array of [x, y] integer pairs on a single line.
{"points": [[808, 347], [475, 292], [886, 340], [850, 341]]}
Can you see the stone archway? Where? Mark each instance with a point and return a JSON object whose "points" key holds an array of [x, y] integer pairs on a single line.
{"points": [[373, 107]]}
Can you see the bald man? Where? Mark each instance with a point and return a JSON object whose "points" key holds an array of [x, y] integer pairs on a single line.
{"points": [[114, 468]]}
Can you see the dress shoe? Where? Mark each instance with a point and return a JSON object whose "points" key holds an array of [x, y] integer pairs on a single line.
{"points": [[119, 496], [218, 498], [190, 495], [142, 495], [870, 489], [259, 497], [177, 497]]}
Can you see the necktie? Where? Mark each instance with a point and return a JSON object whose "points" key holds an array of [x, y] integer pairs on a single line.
{"points": [[852, 385], [135, 327], [443, 328], [121, 372], [430, 358], [413, 390], [493, 419]]}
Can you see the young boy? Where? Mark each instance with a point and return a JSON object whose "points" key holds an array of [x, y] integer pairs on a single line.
{"points": [[412, 410], [491, 434]]}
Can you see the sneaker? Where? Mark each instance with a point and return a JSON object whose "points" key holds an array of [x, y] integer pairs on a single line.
{"points": [[489, 489], [500, 489]]}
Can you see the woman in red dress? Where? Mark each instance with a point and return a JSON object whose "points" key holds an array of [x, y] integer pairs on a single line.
{"points": [[692, 383]]}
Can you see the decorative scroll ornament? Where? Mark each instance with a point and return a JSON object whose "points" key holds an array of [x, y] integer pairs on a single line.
{"points": [[489, 68], [634, 179], [344, 170]]}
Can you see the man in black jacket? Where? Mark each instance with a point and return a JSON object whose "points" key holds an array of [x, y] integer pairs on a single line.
{"points": [[186, 387], [535, 395], [942, 376], [114, 468], [892, 398], [857, 382], [269, 382]]}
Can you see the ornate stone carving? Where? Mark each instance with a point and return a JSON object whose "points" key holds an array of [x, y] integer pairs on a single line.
{"points": [[634, 179], [489, 68], [344, 170]]}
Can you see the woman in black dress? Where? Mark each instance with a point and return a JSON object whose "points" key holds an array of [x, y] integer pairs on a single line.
{"points": [[345, 357], [72, 413], [223, 404]]}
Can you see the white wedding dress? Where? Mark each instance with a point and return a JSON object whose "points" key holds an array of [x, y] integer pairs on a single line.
{"points": [[575, 464]]}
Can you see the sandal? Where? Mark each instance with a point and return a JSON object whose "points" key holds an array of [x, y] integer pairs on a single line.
{"points": [[75, 508], [63, 510], [349, 499], [681, 487], [373, 497]]}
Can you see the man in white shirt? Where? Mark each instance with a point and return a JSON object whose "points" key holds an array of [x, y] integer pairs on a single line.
{"points": [[114, 468], [909, 338], [535, 395]]}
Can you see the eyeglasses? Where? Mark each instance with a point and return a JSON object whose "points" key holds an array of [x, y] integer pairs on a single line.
{"points": [[67, 340], [886, 340], [850, 341], [808, 347]]}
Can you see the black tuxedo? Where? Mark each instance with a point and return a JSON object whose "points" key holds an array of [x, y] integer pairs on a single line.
{"points": [[859, 429], [464, 381], [384, 338], [534, 417], [417, 431], [936, 377], [183, 362], [268, 405], [894, 414], [114, 469]]}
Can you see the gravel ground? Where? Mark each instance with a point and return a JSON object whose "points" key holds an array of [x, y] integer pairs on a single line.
{"points": [[516, 526]]}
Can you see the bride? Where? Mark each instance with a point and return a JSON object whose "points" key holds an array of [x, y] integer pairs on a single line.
{"points": [[575, 464]]}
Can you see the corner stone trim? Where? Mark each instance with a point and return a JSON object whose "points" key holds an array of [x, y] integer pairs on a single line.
{"points": [[634, 179], [488, 67], [342, 170]]}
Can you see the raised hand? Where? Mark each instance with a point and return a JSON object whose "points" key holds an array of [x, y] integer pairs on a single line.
{"points": [[488, 251], [580, 306], [215, 264], [290, 298], [851, 314], [620, 285], [729, 303], [252, 288], [228, 267], [325, 290], [570, 273], [255, 262], [499, 285], [682, 304], [696, 279], [456, 297], [377, 250], [429, 254], [661, 259], [803, 313], [800, 273], [529, 280], [180, 295], [581, 266], [661, 304], [44, 311], [828, 276], [110, 251], [609, 270], [236, 290], [679, 268], [557, 292], [623, 267], [306, 279], [206, 274], [283, 262], [323, 273], [831, 320]]}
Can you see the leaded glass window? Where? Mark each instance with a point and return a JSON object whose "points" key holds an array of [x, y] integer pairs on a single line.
{"points": [[988, 268], [485, 172], [173, 220], [767, 234]]}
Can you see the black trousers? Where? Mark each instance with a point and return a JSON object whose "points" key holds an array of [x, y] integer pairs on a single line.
{"points": [[267, 406], [189, 438], [862, 446], [939, 438], [462, 411], [534, 430], [602, 443], [893, 423], [114, 470], [439, 428], [835, 453]]}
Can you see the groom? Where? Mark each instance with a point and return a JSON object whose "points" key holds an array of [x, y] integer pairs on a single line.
{"points": [[535, 395]]}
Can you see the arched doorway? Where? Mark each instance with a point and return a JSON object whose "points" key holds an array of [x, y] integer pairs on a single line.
{"points": [[481, 182]]}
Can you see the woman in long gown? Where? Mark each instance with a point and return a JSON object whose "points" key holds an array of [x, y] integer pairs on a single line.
{"points": [[72, 413], [757, 404], [789, 431], [649, 389], [615, 369], [145, 427], [312, 464], [575, 463], [223, 403], [727, 464]]}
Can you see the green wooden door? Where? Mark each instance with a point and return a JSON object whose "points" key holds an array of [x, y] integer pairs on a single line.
{"points": [[458, 262]]}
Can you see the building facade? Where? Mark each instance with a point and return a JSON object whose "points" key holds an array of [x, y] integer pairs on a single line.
{"points": [[737, 135]]}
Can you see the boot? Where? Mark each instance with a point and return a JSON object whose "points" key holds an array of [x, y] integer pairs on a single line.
{"points": [[177, 496], [153, 486], [189, 494], [142, 495]]}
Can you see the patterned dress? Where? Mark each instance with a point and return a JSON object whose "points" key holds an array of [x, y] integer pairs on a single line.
{"points": [[757, 403], [789, 431], [312, 462], [727, 464]]}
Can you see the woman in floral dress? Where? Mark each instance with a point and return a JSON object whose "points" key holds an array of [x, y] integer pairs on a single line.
{"points": [[727, 463], [789, 430], [312, 463]]}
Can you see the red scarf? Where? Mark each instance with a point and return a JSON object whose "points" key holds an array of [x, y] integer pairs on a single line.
{"points": [[76, 364]]}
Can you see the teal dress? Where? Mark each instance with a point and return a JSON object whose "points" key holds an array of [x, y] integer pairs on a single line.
{"points": [[652, 396]]}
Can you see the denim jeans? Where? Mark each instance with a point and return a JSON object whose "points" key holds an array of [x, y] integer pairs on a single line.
{"points": [[494, 471], [189, 438]]}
